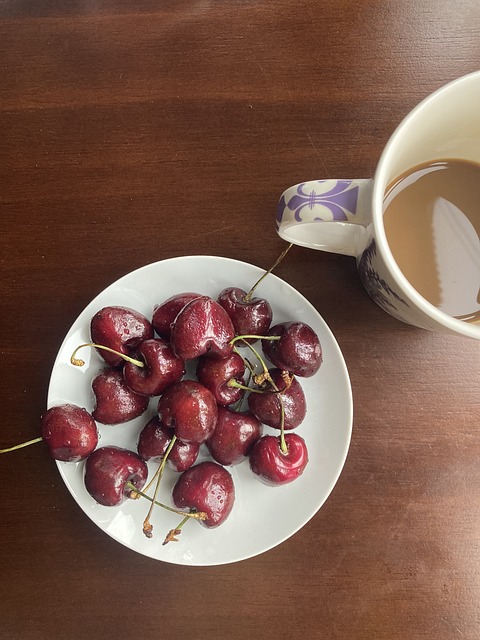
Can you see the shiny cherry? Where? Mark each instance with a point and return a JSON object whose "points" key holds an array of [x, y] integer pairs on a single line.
{"points": [[154, 440], [206, 487], [275, 467], [298, 350], [162, 368], [202, 327], [219, 374], [70, 432], [190, 409], [116, 403], [121, 329], [250, 316], [267, 406], [165, 313], [107, 472], [234, 436]]}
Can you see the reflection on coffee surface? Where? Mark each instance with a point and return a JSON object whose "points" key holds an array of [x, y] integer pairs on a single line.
{"points": [[432, 223]]}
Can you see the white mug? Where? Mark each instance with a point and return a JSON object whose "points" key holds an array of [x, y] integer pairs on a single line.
{"points": [[346, 216]]}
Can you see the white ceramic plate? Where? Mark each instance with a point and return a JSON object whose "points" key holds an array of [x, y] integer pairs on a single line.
{"points": [[262, 516]]}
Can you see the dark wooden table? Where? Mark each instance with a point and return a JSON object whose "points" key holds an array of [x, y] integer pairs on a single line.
{"points": [[134, 131]]}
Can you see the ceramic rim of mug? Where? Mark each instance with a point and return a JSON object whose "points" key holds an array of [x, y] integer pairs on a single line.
{"points": [[379, 185]]}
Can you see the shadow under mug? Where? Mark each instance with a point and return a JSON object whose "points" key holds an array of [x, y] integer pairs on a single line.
{"points": [[346, 216]]}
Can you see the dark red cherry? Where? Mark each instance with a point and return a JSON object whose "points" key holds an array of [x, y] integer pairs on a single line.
{"points": [[121, 329], [154, 440], [164, 314], [234, 436], [250, 316], [202, 327], [162, 368], [298, 350], [70, 432], [190, 409], [107, 472], [206, 487], [267, 408], [116, 403], [275, 467], [183, 455], [216, 374]]}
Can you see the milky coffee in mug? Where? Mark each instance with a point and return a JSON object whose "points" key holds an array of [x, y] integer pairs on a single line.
{"points": [[414, 228], [432, 224]]}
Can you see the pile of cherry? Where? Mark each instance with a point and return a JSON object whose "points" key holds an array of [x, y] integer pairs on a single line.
{"points": [[222, 407]]}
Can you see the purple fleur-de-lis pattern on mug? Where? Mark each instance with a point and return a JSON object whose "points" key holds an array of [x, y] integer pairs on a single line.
{"points": [[307, 202]]}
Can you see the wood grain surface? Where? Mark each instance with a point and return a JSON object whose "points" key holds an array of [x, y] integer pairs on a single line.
{"points": [[134, 131]]}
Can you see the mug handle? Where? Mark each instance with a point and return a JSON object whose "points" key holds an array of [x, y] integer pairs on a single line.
{"points": [[329, 215]]}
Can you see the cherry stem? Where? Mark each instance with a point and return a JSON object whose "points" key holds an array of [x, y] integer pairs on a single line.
{"points": [[251, 337], [248, 296], [79, 363], [20, 446], [246, 362], [171, 535], [197, 515], [267, 376], [161, 467], [283, 444], [260, 359], [239, 404], [238, 385], [147, 527]]}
